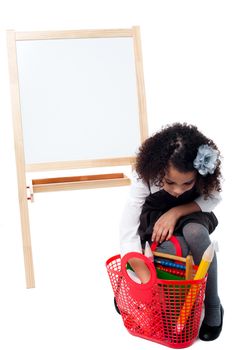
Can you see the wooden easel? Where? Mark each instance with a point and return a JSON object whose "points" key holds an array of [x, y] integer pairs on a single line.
{"points": [[65, 183]]}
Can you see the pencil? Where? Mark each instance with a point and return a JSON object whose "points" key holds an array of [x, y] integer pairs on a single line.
{"points": [[193, 292]]}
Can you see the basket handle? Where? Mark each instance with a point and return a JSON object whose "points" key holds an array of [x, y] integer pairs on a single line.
{"points": [[143, 291], [176, 243]]}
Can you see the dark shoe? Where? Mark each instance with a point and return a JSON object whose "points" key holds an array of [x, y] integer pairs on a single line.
{"points": [[208, 333], [116, 307]]}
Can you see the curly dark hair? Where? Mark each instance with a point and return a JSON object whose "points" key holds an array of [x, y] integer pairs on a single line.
{"points": [[176, 144]]}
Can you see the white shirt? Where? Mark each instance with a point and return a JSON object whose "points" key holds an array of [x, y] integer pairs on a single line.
{"points": [[139, 191]]}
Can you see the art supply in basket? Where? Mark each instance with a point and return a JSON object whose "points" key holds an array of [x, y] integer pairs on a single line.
{"points": [[148, 252], [171, 270], [206, 260], [194, 290], [170, 264], [189, 267], [166, 274]]}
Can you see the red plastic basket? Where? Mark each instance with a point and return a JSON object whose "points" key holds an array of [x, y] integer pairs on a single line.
{"points": [[164, 311]]}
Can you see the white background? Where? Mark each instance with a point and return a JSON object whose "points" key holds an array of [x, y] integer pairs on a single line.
{"points": [[187, 50]]}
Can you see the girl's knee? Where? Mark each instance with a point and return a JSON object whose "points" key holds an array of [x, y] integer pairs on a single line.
{"points": [[195, 231], [166, 247], [169, 248]]}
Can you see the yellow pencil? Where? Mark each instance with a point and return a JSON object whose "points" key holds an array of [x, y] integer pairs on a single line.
{"points": [[193, 292]]}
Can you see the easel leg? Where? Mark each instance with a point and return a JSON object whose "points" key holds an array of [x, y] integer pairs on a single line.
{"points": [[27, 248], [19, 156]]}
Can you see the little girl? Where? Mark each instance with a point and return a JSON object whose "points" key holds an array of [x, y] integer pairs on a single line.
{"points": [[174, 189]]}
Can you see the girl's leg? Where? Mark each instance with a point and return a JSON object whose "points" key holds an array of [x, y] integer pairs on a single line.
{"points": [[169, 248], [197, 238]]}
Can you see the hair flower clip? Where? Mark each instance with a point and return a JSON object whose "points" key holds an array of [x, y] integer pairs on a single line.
{"points": [[206, 160]]}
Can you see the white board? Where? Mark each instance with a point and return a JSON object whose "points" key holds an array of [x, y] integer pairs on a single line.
{"points": [[78, 99]]}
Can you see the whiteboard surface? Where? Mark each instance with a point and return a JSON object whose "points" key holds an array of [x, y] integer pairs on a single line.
{"points": [[78, 99]]}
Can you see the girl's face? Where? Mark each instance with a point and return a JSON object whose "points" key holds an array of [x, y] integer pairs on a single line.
{"points": [[176, 183]]}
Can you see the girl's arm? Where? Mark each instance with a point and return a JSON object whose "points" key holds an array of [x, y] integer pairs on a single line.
{"points": [[210, 203], [129, 238], [165, 225]]}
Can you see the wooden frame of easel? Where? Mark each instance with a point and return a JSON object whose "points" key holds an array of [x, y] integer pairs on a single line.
{"points": [[67, 183]]}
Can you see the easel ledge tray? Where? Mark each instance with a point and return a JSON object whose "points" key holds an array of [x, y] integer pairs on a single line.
{"points": [[80, 182]]}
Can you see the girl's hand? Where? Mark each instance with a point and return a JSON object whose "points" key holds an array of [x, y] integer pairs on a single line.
{"points": [[165, 225]]}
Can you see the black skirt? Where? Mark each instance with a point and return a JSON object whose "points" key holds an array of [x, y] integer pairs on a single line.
{"points": [[158, 203]]}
